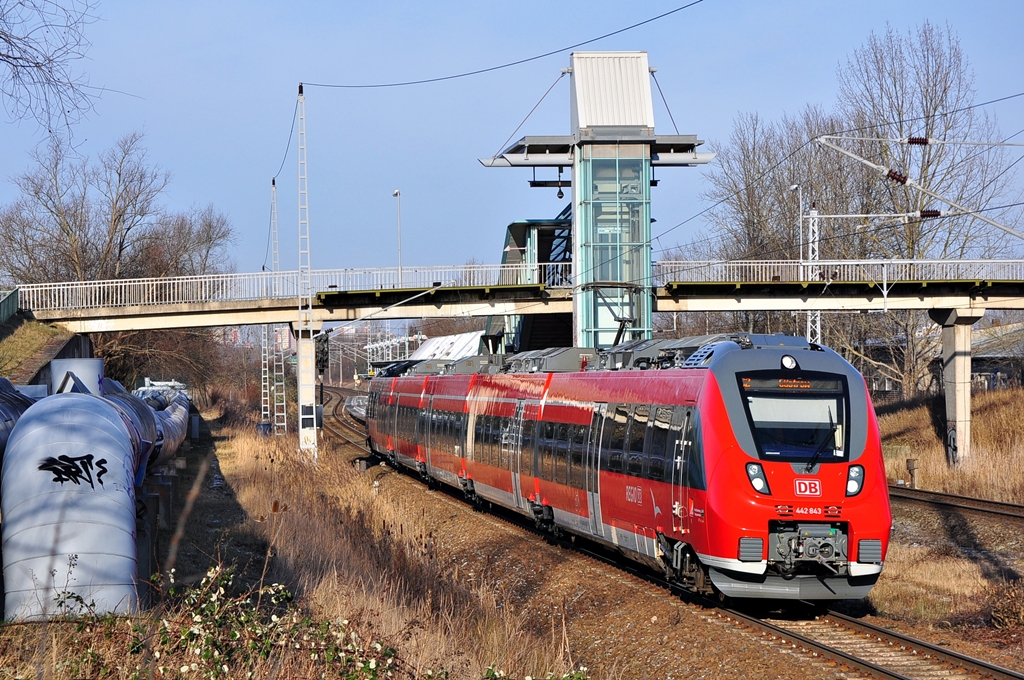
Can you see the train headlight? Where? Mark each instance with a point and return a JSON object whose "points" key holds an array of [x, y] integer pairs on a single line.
{"points": [[788, 362], [755, 473], [854, 480]]}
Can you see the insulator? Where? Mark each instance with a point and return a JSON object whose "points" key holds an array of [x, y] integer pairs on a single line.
{"points": [[897, 176], [920, 141], [931, 213]]}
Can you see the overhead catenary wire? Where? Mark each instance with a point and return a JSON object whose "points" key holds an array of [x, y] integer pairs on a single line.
{"points": [[465, 75], [284, 159], [665, 102], [711, 239], [490, 69], [543, 97]]}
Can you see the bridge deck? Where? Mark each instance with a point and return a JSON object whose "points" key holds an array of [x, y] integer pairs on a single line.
{"points": [[479, 290]]}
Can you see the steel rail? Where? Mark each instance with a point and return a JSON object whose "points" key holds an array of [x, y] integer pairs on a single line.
{"points": [[954, 501], [949, 656], [811, 645]]}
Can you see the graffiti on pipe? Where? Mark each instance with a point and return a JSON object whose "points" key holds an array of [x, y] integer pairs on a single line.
{"points": [[75, 469]]}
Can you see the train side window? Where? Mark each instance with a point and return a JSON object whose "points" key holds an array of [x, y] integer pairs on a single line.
{"points": [[638, 429], [545, 450], [504, 441], [456, 434], [460, 434], [495, 446], [614, 437], [527, 454], [637, 438], [695, 455], [446, 432], [483, 450], [488, 440], [576, 450], [453, 432], [479, 433], [620, 418], [658, 452], [561, 453]]}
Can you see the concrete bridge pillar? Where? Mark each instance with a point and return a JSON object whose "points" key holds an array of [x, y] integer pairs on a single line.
{"points": [[956, 374]]}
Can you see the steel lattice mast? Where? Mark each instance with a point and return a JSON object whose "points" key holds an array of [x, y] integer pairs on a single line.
{"points": [[306, 364], [279, 332]]}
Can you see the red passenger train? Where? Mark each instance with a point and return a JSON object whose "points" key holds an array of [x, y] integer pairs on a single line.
{"points": [[747, 465]]}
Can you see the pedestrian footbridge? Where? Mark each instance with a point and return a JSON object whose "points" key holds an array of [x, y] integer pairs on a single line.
{"points": [[483, 290]]}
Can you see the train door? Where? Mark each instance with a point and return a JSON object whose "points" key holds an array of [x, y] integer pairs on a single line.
{"points": [[592, 468], [680, 448], [511, 446]]}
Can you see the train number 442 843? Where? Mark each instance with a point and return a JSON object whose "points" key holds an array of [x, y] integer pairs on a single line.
{"points": [[808, 511]]}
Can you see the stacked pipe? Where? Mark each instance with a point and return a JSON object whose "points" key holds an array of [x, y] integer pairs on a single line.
{"points": [[67, 497], [12, 405]]}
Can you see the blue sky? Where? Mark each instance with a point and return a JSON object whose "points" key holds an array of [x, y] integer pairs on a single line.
{"points": [[213, 84]]}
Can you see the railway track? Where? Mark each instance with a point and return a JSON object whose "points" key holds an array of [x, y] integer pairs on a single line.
{"points": [[868, 650], [953, 501], [344, 427]]}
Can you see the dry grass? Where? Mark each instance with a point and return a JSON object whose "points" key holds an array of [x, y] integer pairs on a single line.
{"points": [[922, 584], [353, 555], [997, 443], [21, 340], [926, 584]]}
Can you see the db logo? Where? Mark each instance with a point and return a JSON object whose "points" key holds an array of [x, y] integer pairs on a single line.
{"points": [[808, 487]]}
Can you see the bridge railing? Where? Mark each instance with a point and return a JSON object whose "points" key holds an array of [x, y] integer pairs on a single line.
{"points": [[216, 288], [868, 271], [270, 285], [8, 304]]}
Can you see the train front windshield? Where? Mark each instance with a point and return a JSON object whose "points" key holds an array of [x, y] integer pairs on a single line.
{"points": [[797, 417]]}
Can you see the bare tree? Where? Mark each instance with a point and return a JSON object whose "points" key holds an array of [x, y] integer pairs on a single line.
{"points": [[39, 42], [79, 220], [894, 87], [921, 85]]}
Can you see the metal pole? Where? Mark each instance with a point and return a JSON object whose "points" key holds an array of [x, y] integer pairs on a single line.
{"points": [[305, 351], [800, 223], [398, 194]]}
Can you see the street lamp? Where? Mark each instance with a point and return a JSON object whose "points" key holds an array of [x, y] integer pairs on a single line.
{"points": [[398, 194]]}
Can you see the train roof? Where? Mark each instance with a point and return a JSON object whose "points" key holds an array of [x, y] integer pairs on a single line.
{"points": [[692, 351]]}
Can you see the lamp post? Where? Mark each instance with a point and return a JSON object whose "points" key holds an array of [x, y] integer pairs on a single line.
{"points": [[398, 194]]}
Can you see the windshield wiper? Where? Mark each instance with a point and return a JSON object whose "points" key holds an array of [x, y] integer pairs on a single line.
{"points": [[830, 437]]}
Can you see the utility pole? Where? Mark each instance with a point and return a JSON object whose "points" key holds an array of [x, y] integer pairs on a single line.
{"points": [[306, 368], [814, 317]]}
